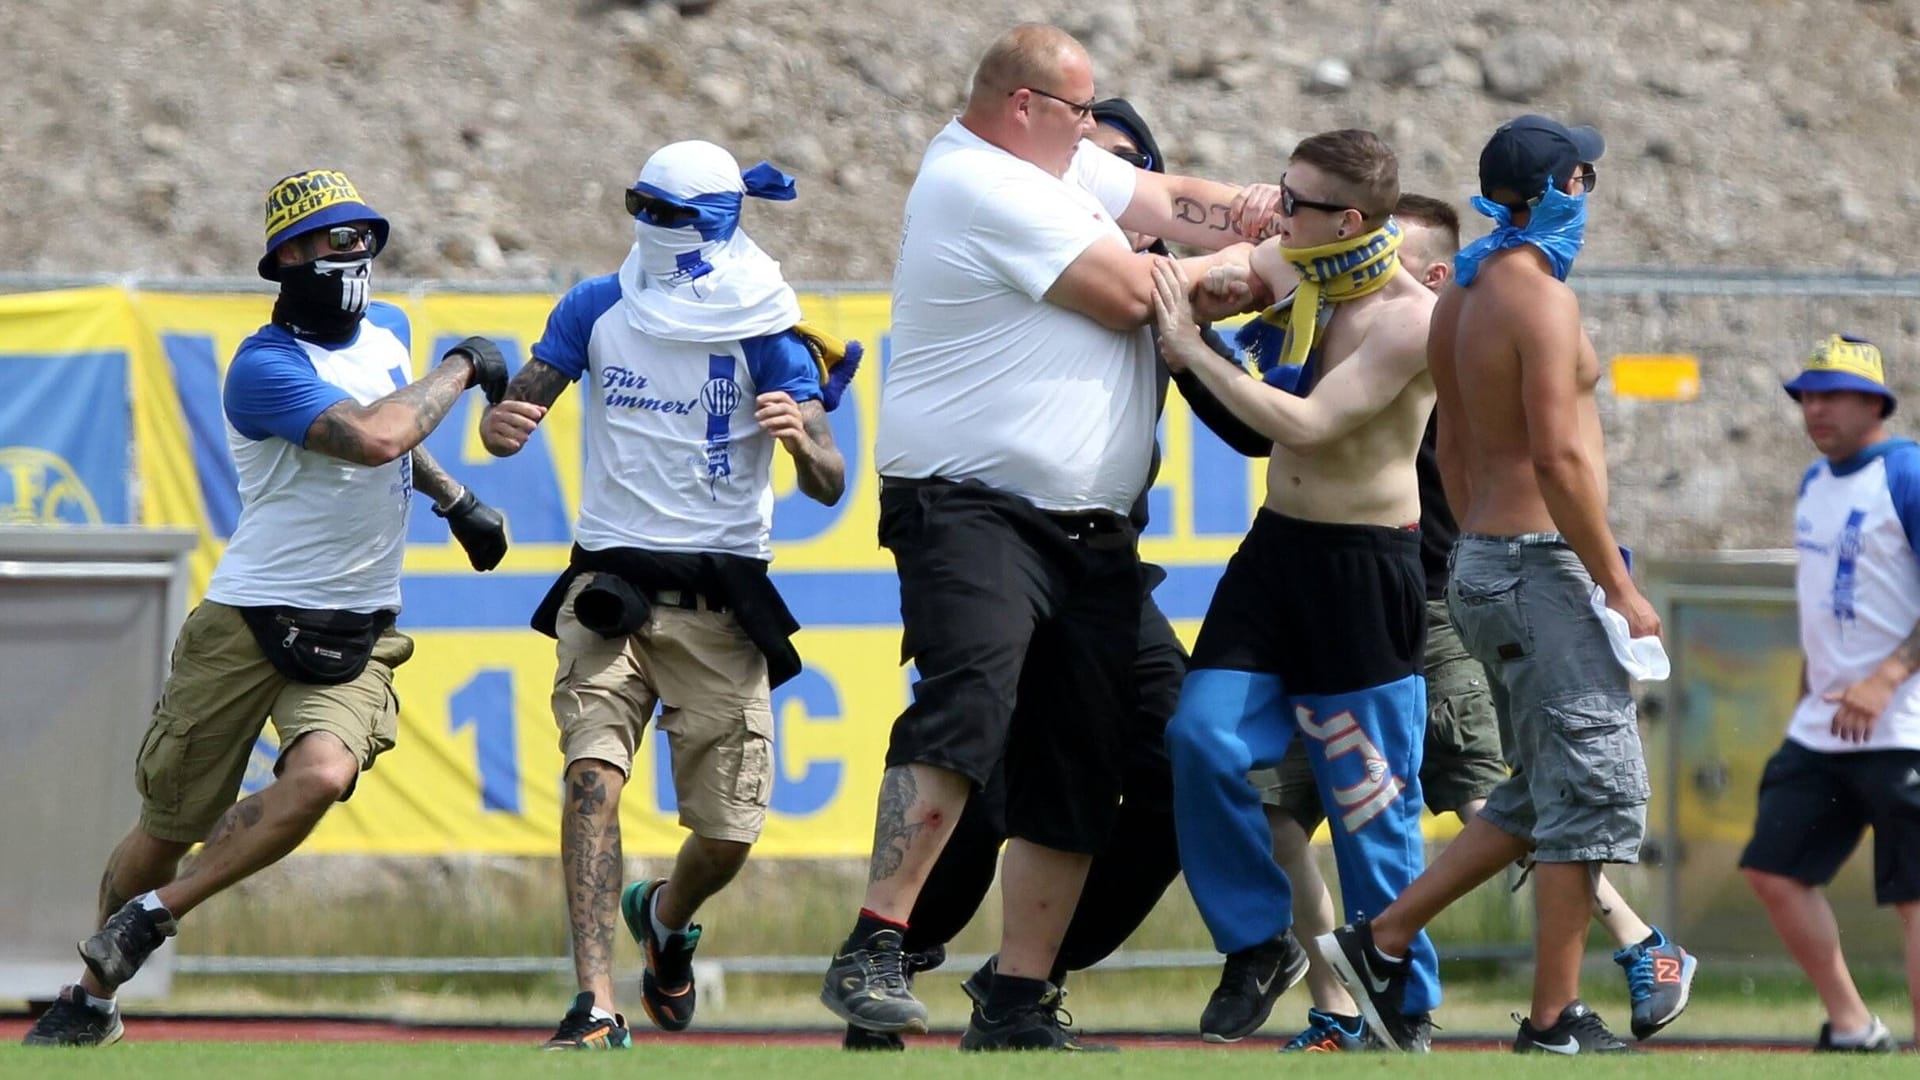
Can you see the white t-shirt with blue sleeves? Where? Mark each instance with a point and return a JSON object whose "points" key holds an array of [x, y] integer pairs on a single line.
{"points": [[1857, 530], [676, 461], [314, 531]]}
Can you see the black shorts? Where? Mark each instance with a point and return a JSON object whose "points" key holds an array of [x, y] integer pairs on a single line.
{"points": [[1814, 806], [1328, 608], [1024, 627]]}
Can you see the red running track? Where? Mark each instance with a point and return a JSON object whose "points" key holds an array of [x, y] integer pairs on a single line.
{"points": [[354, 1029]]}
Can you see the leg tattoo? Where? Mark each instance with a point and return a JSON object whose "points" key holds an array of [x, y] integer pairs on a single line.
{"points": [[893, 834], [590, 853], [110, 898], [244, 814]]}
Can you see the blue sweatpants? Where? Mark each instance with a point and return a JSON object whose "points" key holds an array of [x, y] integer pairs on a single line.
{"points": [[1294, 619]]}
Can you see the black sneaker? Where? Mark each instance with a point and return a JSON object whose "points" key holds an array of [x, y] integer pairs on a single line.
{"points": [[923, 960], [866, 985], [1879, 1041], [666, 984], [1039, 1026], [1250, 982], [70, 1021], [1377, 986], [581, 1030], [1578, 1031], [131, 934], [979, 984], [859, 1038], [1419, 1029]]}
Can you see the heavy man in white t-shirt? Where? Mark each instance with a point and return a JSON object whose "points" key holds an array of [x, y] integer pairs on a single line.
{"points": [[1851, 759], [297, 624], [1016, 427]]}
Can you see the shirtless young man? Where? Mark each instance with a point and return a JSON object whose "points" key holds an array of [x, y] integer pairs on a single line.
{"points": [[1524, 465], [1317, 625]]}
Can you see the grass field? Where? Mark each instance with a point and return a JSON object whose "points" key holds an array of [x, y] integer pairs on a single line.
{"points": [[202, 1061]]}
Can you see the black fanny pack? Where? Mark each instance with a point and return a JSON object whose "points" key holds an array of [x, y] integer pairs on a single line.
{"points": [[324, 648]]}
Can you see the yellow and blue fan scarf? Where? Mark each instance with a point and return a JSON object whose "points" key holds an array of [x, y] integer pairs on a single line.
{"points": [[837, 360], [1283, 335]]}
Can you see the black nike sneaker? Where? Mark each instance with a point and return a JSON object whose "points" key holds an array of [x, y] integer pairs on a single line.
{"points": [[1250, 982], [1578, 1031]]}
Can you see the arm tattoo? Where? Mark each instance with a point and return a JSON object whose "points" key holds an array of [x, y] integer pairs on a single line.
{"points": [[538, 382], [354, 432], [1193, 212], [1908, 651], [821, 471], [590, 857], [893, 834], [433, 481]]}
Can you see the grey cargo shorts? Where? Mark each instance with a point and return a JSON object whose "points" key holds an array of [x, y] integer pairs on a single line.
{"points": [[1579, 788]]}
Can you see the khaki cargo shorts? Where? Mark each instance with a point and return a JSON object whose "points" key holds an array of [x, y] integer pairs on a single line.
{"points": [[217, 699], [710, 682]]}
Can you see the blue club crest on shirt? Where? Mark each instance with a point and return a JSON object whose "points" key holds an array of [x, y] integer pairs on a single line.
{"points": [[720, 396]]}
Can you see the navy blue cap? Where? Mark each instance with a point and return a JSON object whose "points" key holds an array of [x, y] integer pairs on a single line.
{"points": [[1531, 153]]}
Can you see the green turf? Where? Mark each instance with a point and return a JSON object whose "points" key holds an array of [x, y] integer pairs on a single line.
{"points": [[280, 1061]]}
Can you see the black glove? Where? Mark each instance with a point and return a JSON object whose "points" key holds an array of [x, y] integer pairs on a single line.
{"points": [[489, 367], [479, 527]]}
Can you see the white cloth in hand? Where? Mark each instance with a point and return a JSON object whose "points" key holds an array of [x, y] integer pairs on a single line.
{"points": [[1644, 658]]}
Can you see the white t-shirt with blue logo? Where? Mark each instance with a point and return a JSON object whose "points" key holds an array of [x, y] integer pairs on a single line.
{"points": [[314, 531], [989, 381], [1857, 529], [676, 461]]}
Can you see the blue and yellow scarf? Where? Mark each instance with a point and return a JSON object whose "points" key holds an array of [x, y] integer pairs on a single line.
{"points": [[1329, 274]]}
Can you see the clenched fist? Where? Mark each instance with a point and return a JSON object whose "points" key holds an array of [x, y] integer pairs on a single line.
{"points": [[506, 427]]}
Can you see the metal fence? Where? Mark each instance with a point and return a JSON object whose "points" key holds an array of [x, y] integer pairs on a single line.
{"points": [[1714, 473]]}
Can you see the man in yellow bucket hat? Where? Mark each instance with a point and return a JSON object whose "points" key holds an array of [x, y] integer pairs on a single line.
{"points": [[298, 621], [1851, 757]]}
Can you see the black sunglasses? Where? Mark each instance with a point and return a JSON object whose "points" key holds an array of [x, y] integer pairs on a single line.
{"points": [[658, 211], [1290, 203], [1080, 110], [1588, 177], [344, 238], [1134, 158]]}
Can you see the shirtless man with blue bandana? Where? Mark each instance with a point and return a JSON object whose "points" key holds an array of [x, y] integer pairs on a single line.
{"points": [[1523, 462]]}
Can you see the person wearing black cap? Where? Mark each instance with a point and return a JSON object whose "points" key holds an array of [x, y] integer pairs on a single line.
{"points": [[1140, 859], [298, 621], [1851, 757], [1524, 468]]}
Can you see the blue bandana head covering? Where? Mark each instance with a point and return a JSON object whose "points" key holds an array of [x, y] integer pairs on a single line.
{"points": [[693, 274], [1557, 226]]}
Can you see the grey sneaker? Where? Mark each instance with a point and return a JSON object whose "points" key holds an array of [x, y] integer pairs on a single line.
{"points": [[866, 985], [70, 1021], [131, 934], [1659, 981], [860, 1039]]}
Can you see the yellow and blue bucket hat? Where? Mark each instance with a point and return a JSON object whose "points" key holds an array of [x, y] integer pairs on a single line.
{"points": [[315, 199], [1844, 362]]}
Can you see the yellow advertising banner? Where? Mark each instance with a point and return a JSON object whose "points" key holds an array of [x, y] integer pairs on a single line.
{"points": [[477, 765]]}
